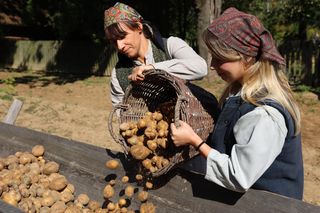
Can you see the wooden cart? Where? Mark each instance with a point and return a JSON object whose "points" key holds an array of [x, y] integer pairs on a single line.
{"points": [[179, 191]]}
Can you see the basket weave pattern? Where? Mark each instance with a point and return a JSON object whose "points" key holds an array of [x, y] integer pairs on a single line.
{"points": [[160, 91]]}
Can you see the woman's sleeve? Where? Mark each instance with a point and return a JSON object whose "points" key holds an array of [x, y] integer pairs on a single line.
{"points": [[117, 93], [185, 62], [260, 135]]}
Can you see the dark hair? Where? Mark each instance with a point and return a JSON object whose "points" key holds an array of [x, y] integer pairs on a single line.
{"points": [[114, 32]]}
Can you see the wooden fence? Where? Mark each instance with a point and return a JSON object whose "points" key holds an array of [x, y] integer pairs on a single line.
{"points": [[303, 61], [81, 57]]}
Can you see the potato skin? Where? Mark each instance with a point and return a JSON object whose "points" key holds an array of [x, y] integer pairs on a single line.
{"points": [[112, 164]]}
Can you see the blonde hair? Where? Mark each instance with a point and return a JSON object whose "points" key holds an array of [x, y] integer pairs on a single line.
{"points": [[263, 79]]}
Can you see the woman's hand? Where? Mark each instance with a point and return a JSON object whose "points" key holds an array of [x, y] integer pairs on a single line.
{"points": [[184, 135], [137, 75]]}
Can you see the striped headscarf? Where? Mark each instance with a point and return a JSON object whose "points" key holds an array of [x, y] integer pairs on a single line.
{"points": [[120, 12], [246, 34]]}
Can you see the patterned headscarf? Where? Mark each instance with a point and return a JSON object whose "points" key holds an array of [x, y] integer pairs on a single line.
{"points": [[120, 12], [245, 33]]}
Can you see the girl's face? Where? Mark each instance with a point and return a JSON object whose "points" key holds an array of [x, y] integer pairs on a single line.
{"points": [[229, 71], [130, 43]]}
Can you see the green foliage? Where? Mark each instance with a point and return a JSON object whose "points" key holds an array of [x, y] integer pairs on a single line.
{"points": [[285, 19]]}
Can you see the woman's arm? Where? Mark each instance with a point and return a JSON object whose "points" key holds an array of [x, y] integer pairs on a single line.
{"points": [[185, 62]]}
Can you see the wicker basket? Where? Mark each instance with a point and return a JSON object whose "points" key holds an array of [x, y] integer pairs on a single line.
{"points": [[170, 95]]}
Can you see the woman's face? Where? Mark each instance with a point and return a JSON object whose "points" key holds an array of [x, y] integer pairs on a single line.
{"points": [[229, 71], [130, 44]]}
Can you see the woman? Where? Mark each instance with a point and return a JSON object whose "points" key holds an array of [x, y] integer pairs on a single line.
{"points": [[256, 142], [141, 48]]}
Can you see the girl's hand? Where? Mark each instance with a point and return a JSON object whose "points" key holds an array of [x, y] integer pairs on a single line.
{"points": [[183, 135], [137, 75]]}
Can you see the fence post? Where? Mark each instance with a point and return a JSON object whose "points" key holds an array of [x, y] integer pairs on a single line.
{"points": [[13, 112]]}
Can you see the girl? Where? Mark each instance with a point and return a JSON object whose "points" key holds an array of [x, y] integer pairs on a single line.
{"points": [[141, 47], [256, 141]]}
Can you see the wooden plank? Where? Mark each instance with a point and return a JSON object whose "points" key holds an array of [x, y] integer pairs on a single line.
{"points": [[13, 112], [178, 191]]}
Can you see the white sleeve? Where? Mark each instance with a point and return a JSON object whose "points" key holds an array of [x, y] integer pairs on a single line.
{"points": [[117, 93], [260, 135], [185, 62]]}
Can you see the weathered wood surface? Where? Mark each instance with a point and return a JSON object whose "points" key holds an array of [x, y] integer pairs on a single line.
{"points": [[180, 191]]}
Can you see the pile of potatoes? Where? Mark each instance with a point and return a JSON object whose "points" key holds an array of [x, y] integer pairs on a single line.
{"points": [[32, 184], [148, 141]]}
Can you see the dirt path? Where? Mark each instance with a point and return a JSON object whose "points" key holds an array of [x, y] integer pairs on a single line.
{"points": [[79, 110]]}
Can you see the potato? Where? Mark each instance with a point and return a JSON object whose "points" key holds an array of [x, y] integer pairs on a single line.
{"points": [[143, 196], [25, 158], [112, 164], [129, 190], [147, 208], [139, 177], [142, 123], [111, 206], [108, 191], [149, 185], [150, 132], [50, 167], [1, 165], [47, 201], [72, 209], [83, 199], [58, 183], [66, 196], [133, 140], [147, 163], [93, 205], [162, 142], [112, 182], [124, 126], [122, 202], [125, 179], [157, 116], [123, 210], [165, 162], [9, 198], [139, 152], [58, 207], [38, 150], [152, 145]]}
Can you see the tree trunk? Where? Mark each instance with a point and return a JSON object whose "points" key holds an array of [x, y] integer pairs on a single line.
{"points": [[208, 10]]}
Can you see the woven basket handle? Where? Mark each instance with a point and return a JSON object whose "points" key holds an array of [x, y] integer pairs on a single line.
{"points": [[110, 126], [177, 108]]}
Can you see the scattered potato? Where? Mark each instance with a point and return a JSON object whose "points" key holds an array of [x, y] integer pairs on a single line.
{"points": [[125, 179], [147, 208], [149, 185], [129, 190], [112, 164], [143, 196], [108, 191]]}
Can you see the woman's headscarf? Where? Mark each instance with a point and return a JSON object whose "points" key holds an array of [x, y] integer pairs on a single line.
{"points": [[245, 33], [120, 12]]}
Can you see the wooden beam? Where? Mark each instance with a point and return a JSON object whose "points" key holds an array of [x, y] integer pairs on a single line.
{"points": [[13, 112]]}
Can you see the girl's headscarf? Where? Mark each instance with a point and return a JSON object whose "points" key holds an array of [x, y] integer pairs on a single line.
{"points": [[245, 33]]}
